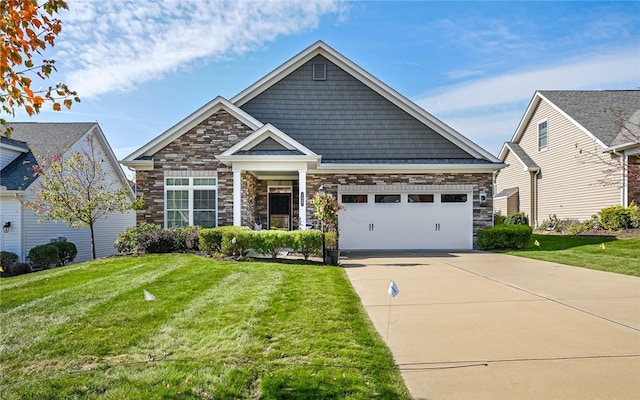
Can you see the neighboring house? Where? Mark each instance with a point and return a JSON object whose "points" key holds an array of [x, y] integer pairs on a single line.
{"points": [[570, 155], [33, 143], [407, 180]]}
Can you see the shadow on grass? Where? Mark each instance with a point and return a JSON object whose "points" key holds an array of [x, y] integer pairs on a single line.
{"points": [[550, 242]]}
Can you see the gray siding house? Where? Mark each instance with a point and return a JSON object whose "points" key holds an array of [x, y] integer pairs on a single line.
{"points": [[406, 179], [573, 153], [30, 144]]}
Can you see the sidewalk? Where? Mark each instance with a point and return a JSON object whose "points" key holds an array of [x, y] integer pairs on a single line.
{"points": [[488, 326]]}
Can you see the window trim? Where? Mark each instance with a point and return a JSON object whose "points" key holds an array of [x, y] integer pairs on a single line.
{"points": [[191, 187], [546, 135]]}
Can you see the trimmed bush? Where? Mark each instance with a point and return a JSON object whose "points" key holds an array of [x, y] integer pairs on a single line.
{"points": [[498, 219], [127, 242], [44, 256], [615, 218], [162, 241], [7, 259], [308, 242], [634, 216], [504, 237], [210, 239], [67, 252], [186, 238], [517, 218], [20, 268], [271, 242], [237, 242]]}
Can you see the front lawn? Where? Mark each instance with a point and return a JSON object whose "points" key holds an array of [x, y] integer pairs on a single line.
{"points": [[602, 253], [218, 330]]}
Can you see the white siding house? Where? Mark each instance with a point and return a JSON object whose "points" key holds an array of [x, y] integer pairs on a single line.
{"points": [[557, 159], [35, 141]]}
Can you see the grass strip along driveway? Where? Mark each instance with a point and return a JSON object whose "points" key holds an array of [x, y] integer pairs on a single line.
{"points": [[218, 330], [602, 253]]}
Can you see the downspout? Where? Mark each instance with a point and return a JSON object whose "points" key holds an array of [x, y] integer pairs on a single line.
{"points": [[533, 201], [625, 180]]}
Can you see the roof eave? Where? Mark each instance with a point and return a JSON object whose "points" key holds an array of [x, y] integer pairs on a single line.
{"points": [[410, 168]]}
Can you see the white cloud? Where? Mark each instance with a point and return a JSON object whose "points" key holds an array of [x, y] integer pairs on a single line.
{"points": [[616, 70], [116, 45]]}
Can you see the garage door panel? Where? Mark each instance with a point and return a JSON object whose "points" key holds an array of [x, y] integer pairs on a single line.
{"points": [[407, 225]]}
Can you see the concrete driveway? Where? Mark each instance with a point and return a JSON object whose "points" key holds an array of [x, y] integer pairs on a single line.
{"points": [[487, 326]]}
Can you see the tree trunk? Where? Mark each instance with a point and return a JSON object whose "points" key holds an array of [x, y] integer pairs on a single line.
{"points": [[93, 242]]}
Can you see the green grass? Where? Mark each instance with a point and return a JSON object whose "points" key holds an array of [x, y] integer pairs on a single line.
{"points": [[619, 255], [218, 330]]}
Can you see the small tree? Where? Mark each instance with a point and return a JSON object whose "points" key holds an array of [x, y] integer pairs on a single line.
{"points": [[27, 28], [326, 209], [78, 190]]}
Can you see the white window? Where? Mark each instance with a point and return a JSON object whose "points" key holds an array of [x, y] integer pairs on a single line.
{"points": [[191, 201], [542, 136]]}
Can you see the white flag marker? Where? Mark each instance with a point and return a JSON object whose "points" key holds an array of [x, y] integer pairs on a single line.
{"points": [[148, 296], [393, 289]]}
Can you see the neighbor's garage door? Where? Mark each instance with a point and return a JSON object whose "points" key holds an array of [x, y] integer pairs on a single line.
{"points": [[387, 220]]}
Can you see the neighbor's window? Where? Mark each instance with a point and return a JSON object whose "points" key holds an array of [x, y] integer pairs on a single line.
{"points": [[542, 136], [387, 198], [191, 201], [453, 198], [420, 198], [354, 198]]}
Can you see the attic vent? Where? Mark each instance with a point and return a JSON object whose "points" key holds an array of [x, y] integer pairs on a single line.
{"points": [[319, 71]]}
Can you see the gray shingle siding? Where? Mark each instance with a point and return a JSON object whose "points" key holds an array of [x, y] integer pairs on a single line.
{"points": [[19, 174], [340, 118]]}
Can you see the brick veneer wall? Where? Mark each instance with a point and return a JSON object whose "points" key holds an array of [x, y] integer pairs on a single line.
{"points": [[193, 151]]}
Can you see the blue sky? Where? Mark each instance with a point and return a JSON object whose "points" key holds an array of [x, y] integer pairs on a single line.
{"points": [[142, 66]]}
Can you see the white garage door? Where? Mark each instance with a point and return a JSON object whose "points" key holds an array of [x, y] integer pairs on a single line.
{"points": [[406, 220]]}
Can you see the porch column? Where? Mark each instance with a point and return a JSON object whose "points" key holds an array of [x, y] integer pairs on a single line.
{"points": [[237, 197], [302, 212]]}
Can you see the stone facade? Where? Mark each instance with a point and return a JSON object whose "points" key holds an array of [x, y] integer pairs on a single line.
{"points": [[193, 151]]}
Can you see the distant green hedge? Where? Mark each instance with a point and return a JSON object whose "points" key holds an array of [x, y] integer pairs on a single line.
{"points": [[504, 237]]}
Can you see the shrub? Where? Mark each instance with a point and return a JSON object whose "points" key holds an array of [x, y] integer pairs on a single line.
{"points": [[210, 239], [237, 242], [615, 218], [7, 259], [162, 241], [44, 256], [498, 219], [67, 252], [127, 242], [634, 216], [271, 242], [20, 268], [308, 242], [331, 240], [186, 238], [504, 237], [517, 218]]}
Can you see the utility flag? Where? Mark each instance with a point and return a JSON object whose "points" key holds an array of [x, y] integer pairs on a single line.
{"points": [[537, 243], [148, 296], [602, 246], [393, 289]]}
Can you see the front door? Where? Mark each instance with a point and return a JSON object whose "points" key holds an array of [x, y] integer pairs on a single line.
{"points": [[280, 211]]}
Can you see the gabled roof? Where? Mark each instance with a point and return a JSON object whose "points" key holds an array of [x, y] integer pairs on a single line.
{"points": [[47, 138], [268, 133], [595, 112], [182, 127], [44, 139], [521, 155], [322, 49], [268, 141]]}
